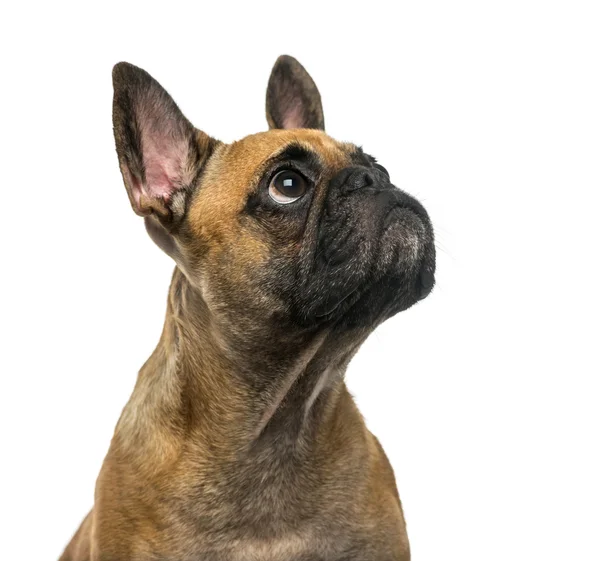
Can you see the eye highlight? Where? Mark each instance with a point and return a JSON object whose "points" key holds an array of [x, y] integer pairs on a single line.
{"points": [[287, 187]]}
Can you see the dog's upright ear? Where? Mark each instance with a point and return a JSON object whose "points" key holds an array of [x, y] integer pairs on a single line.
{"points": [[160, 153], [293, 100]]}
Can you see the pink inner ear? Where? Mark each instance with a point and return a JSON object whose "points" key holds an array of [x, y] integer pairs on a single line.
{"points": [[164, 166], [164, 158], [293, 118]]}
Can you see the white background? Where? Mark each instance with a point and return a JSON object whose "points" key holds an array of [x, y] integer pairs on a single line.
{"points": [[485, 396]]}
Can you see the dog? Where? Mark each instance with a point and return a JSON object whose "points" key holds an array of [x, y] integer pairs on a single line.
{"points": [[241, 441]]}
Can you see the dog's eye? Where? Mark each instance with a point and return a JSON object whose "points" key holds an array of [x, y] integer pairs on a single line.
{"points": [[287, 187]]}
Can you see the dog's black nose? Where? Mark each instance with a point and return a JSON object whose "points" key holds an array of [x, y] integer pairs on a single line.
{"points": [[358, 179], [354, 178]]}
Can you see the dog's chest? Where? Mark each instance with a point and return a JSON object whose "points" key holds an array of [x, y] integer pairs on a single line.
{"points": [[285, 549], [293, 547], [308, 544]]}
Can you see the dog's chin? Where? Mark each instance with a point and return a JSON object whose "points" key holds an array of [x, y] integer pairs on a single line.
{"points": [[379, 284], [374, 302]]}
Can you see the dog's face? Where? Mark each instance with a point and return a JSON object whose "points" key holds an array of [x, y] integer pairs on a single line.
{"points": [[288, 227]]}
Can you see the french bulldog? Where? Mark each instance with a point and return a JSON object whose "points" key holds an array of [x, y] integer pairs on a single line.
{"points": [[241, 441]]}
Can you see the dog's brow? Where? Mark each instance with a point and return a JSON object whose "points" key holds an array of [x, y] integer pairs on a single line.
{"points": [[297, 151]]}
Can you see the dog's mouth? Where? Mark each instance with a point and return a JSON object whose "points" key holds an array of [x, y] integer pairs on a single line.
{"points": [[384, 297], [384, 272]]}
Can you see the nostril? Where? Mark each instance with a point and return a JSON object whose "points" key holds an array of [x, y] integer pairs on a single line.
{"points": [[359, 179]]}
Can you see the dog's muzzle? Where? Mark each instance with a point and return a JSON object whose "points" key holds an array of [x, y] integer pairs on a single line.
{"points": [[372, 233]]}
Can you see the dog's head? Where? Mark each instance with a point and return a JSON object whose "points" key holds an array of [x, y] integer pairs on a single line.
{"points": [[287, 226]]}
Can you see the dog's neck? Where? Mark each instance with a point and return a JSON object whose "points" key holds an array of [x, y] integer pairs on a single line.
{"points": [[229, 389]]}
